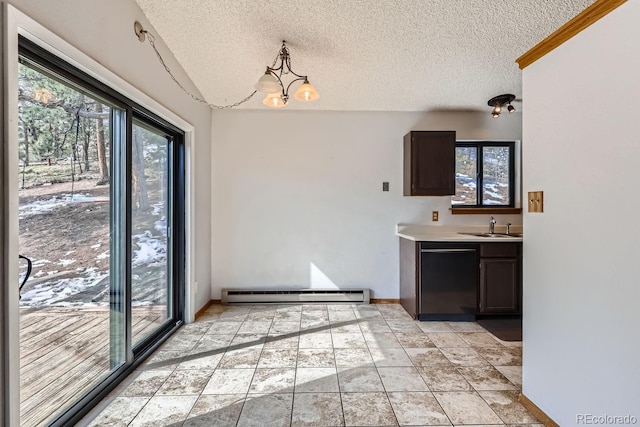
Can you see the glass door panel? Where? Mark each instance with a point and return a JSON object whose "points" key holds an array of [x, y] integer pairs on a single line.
{"points": [[100, 179], [150, 217], [70, 335]]}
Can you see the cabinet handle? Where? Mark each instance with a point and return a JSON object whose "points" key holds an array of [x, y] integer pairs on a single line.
{"points": [[446, 251]]}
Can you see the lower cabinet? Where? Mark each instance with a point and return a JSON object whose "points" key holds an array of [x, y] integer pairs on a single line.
{"points": [[500, 278], [451, 281]]}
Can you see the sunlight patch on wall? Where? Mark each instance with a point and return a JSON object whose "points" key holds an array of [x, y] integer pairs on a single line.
{"points": [[320, 280]]}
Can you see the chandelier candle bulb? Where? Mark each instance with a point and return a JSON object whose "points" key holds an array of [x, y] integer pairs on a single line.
{"points": [[306, 92], [274, 100]]}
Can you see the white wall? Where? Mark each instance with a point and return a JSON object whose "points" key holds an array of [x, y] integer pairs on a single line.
{"points": [[298, 201], [581, 269], [104, 31]]}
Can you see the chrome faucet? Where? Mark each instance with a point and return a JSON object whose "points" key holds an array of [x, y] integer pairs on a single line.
{"points": [[509, 228], [492, 225]]}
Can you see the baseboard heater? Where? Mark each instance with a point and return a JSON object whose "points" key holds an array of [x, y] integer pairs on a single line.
{"points": [[291, 296]]}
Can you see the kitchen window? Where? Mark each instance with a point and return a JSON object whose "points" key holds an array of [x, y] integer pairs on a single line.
{"points": [[485, 175]]}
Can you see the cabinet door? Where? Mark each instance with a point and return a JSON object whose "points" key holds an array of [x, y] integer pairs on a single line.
{"points": [[499, 286], [429, 163]]}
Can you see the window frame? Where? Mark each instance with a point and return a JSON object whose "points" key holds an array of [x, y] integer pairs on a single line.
{"points": [[479, 206]]}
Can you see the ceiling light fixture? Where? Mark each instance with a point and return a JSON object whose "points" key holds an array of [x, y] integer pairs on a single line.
{"points": [[270, 83], [497, 102], [273, 85]]}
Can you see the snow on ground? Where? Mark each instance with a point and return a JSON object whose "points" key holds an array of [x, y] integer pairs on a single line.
{"points": [[88, 286], [40, 206], [40, 262], [85, 198], [150, 250], [494, 195], [58, 291], [492, 192]]}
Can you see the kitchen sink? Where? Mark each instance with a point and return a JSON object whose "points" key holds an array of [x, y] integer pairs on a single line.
{"points": [[494, 235]]}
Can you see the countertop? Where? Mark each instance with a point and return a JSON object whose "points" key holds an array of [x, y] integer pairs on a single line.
{"points": [[451, 233]]}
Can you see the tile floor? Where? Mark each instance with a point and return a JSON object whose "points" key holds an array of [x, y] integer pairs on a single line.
{"points": [[322, 365]]}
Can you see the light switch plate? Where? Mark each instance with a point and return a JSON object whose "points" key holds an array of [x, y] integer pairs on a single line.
{"points": [[535, 201]]}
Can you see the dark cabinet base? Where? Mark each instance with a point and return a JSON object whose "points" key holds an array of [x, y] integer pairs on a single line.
{"points": [[495, 276], [409, 276], [447, 317], [439, 281]]}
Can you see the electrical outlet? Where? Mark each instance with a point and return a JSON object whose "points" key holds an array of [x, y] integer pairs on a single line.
{"points": [[434, 216], [385, 186]]}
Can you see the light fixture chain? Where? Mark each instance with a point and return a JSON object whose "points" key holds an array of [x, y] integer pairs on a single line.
{"points": [[196, 98], [275, 60]]}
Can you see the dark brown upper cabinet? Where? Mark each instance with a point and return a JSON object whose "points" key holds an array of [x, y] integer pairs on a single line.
{"points": [[430, 163]]}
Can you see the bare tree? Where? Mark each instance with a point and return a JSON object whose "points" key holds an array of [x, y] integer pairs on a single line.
{"points": [[140, 196], [85, 150], [26, 131], [101, 147]]}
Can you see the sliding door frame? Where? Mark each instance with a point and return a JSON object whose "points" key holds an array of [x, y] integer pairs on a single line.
{"points": [[10, 320], [121, 219], [15, 24]]}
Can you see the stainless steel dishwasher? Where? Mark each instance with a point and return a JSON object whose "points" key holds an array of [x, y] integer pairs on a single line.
{"points": [[448, 281]]}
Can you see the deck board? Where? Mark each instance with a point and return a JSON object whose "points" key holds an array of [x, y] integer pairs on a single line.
{"points": [[62, 346], [39, 345], [65, 352], [54, 331]]}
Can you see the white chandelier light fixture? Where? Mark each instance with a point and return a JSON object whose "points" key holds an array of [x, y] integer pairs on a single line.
{"points": [[271, 82], [273, 85]]}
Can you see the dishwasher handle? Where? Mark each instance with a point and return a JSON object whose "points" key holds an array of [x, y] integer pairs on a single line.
{"points": [[445, 251]]}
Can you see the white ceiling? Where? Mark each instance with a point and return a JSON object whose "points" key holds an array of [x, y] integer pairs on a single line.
{"points": [[367, 55]]}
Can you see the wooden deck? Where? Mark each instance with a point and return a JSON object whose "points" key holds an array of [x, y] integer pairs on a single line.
{"points": [[64, 352]]}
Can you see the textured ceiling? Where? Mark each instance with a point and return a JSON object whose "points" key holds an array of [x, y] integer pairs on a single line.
{"points": [[369, 55]]}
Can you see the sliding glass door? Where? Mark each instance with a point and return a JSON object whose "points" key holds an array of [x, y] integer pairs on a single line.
{"points": [[150, 218], [101, 225]]}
